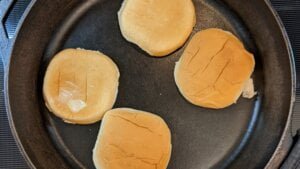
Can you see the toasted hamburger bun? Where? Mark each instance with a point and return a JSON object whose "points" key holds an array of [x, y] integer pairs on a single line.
{"points": [[159, 27], [213, 69], [132, 139], [80, 85]]}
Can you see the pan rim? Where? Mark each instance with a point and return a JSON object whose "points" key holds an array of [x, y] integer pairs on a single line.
{"points": [[286, 136], [6, 91]]}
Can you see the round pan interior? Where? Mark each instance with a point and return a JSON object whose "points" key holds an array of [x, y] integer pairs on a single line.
{"points": [[201, 138]]}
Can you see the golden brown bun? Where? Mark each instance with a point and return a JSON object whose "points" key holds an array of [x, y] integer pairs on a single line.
{"points": [[159, 27], [213, 69], [80, 85], [132, 139]]}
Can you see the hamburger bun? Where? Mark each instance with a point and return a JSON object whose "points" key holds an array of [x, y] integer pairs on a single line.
{"points": [[80, 85], [213, 69], [159, 27], [132, 139]]}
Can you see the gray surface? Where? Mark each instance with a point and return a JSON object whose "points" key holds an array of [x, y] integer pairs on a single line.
{"points": [[9, 155]]}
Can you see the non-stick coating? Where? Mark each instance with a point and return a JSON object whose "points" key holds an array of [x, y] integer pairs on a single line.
{"points": [[201, 138]]}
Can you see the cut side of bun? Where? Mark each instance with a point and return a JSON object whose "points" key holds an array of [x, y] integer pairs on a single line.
{"points": [[213, 69], [132, 139], [159, 27], [80, 85]]}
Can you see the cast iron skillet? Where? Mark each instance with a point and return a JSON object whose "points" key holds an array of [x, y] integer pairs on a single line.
{"points": [[250, 134]]}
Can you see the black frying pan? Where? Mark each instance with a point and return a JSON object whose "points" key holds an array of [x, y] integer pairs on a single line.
{"points": [[250, 134]]}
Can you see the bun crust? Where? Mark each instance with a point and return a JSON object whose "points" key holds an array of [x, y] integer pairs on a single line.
{"points": [[159, 27], [213, 69], [80, 85], [132, 139]]}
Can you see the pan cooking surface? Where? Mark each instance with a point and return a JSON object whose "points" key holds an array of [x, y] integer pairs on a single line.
{"points": [[201, 138]]}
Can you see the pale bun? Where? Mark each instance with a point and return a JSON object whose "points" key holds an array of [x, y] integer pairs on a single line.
{"points": [[159, 27], [80, 85]]}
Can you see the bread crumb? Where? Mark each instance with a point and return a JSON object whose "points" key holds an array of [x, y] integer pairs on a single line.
{"points": [[248, 90]]}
